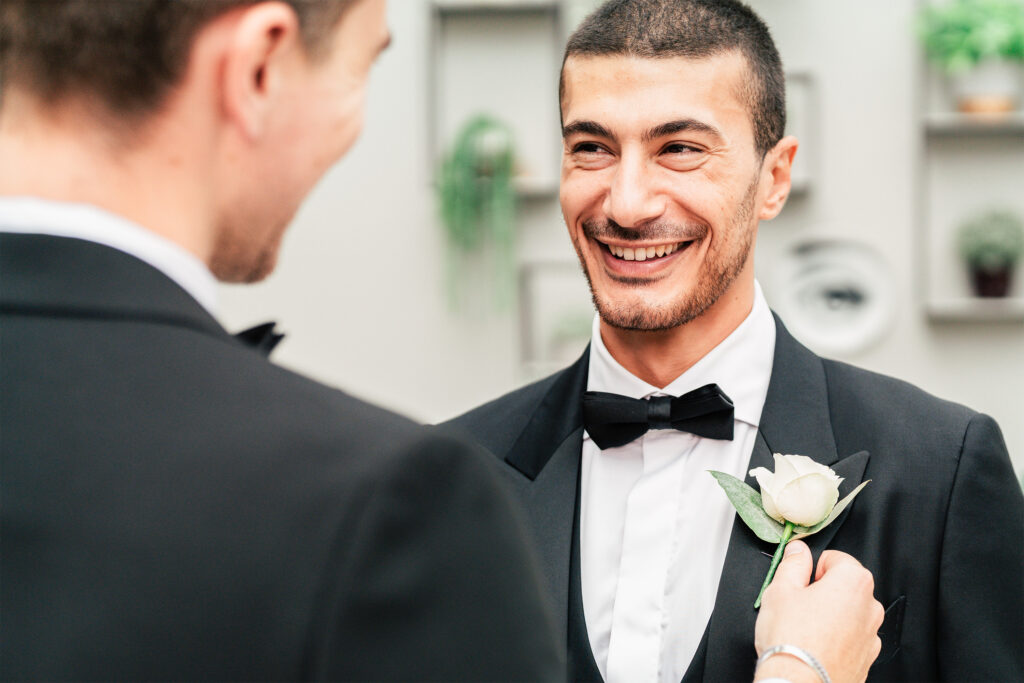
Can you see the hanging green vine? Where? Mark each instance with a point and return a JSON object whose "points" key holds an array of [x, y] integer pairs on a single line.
{"points": [[477, 204]]}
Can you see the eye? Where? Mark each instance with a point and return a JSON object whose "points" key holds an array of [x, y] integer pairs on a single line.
{"points": [[587, 148], [681, 156], [589, 155], [680, 148]]}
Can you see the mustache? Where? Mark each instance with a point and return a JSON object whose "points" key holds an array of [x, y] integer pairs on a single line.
{"points": [[655, 231]]}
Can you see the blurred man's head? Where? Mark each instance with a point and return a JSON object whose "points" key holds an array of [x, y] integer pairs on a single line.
{"points": [[673, 115], [263, 97]]}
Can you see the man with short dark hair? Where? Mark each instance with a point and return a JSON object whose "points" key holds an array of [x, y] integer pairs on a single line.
{"points": [[175, 507], [673, 114]]}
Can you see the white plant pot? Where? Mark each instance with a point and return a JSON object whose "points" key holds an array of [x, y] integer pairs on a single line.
{"points": [[991, 87]]}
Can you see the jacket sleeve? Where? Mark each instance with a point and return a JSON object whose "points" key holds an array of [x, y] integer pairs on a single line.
{"points": [[437, 581], [981, 590]]}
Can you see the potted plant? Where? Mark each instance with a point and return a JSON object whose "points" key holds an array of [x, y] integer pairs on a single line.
{"points": [[477, 204], [979, 44], [991, 244]]}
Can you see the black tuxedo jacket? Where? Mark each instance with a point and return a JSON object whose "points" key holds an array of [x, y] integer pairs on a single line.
{"points": [[175, 507], [941, 526]]}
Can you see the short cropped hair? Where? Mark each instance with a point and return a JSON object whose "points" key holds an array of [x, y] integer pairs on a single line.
{"points": [[127, 54], [693, 29]]}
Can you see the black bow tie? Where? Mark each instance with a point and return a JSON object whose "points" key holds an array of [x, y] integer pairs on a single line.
{"points": [[613, 420], [262, 338]]}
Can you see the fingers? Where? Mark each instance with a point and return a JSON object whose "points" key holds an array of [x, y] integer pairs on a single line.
{"points": [[877, 617], [839, 569], [795, 568], [839, 562]]}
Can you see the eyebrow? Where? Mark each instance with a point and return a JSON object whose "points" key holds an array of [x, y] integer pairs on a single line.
{"points": [[670, 128], [679, 126], [586, 128]]}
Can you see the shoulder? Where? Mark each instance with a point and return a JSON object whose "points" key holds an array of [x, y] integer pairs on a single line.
{"points": [[329, 419], [497, 424], [893, 411]]}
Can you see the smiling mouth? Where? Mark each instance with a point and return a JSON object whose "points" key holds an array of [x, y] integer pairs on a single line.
{"points": [[649, 253]]}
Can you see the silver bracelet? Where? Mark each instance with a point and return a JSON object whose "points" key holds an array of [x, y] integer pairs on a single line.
{"points": [[799, 653]]}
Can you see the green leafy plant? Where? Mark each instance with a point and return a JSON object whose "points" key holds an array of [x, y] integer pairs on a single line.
{"points": [[959, 34], [477, 200], [992, 241]]}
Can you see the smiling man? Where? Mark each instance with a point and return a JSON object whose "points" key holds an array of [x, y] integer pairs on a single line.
{"points": [[673, 115]]}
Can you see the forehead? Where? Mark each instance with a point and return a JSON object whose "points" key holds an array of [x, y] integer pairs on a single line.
{"points": [[623, 90]]}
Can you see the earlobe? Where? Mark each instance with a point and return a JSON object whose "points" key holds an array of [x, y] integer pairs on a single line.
{"points": [[255, 56], [778, 168]]}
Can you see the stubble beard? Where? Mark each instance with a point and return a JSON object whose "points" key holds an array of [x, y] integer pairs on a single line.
{"points": [[236, 258], [717, 273]]}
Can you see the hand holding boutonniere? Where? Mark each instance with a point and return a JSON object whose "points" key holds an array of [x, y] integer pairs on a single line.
{"points": [[797, 500]]}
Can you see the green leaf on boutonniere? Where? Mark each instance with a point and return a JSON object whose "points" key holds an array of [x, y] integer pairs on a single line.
{"points": [[747, 502], [803, 531]]}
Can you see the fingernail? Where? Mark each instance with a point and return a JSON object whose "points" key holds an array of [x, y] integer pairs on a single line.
{"points": [[793, 549]]}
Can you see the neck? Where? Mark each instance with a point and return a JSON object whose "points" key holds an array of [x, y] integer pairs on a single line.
{"points": [[64, 154], [660, 357]]}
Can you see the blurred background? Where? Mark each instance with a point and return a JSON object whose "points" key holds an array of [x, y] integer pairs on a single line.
{"points": [[431, 270]]}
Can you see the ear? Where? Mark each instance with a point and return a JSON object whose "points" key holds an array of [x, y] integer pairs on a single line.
{"points": [[261, 48], [776, 171]]}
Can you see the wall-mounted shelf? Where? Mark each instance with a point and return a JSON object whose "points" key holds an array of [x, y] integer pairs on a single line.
{"points": [[470, 73], [969, 164], [976, 309], [531, 187], [955, 124]]}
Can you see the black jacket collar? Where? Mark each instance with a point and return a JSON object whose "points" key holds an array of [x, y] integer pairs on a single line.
{"points": [[64, 276]]}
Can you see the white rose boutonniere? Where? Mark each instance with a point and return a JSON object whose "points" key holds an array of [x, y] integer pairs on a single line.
{"points": [[796, 500]]}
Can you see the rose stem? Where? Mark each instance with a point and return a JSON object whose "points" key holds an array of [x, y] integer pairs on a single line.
{"points": [[786, 534]]}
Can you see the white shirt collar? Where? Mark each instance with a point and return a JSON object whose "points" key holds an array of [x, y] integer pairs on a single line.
{"points": [[741, 365], [88, 222]]}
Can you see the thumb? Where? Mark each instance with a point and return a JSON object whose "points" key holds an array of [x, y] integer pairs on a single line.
{"points": [[795, 568]]}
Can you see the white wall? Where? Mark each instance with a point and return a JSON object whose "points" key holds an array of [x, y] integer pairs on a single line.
{"points": [[359, 285]]}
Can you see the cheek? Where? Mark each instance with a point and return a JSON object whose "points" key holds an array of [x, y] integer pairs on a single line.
{"points": [[580, 194], [338, 120], [349, 122], [711, 201]]}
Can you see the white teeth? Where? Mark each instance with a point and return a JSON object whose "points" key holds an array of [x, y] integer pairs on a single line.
{"points": [[644, 253]]}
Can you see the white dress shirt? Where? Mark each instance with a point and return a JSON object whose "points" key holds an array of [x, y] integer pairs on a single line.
{"points": [[654, 525], [88, 222]]}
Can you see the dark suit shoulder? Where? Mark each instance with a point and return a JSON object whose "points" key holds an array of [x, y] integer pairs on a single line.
{"points": [[892, 411], [498, 423]]}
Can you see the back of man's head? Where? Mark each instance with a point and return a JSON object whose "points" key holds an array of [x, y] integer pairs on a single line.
{"points": [[123, 55], [693, 29], [204, 121]]}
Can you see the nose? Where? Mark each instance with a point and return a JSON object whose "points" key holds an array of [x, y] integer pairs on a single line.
{"points": [[633, 198]]}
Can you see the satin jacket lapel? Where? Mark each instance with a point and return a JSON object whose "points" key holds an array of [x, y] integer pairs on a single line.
{"points": [[796, 420], [547, 455]]}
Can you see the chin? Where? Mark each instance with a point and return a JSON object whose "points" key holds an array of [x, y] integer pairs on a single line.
{"points": [[645, 317], [662, 306], [240, 268], [241, 255]]}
